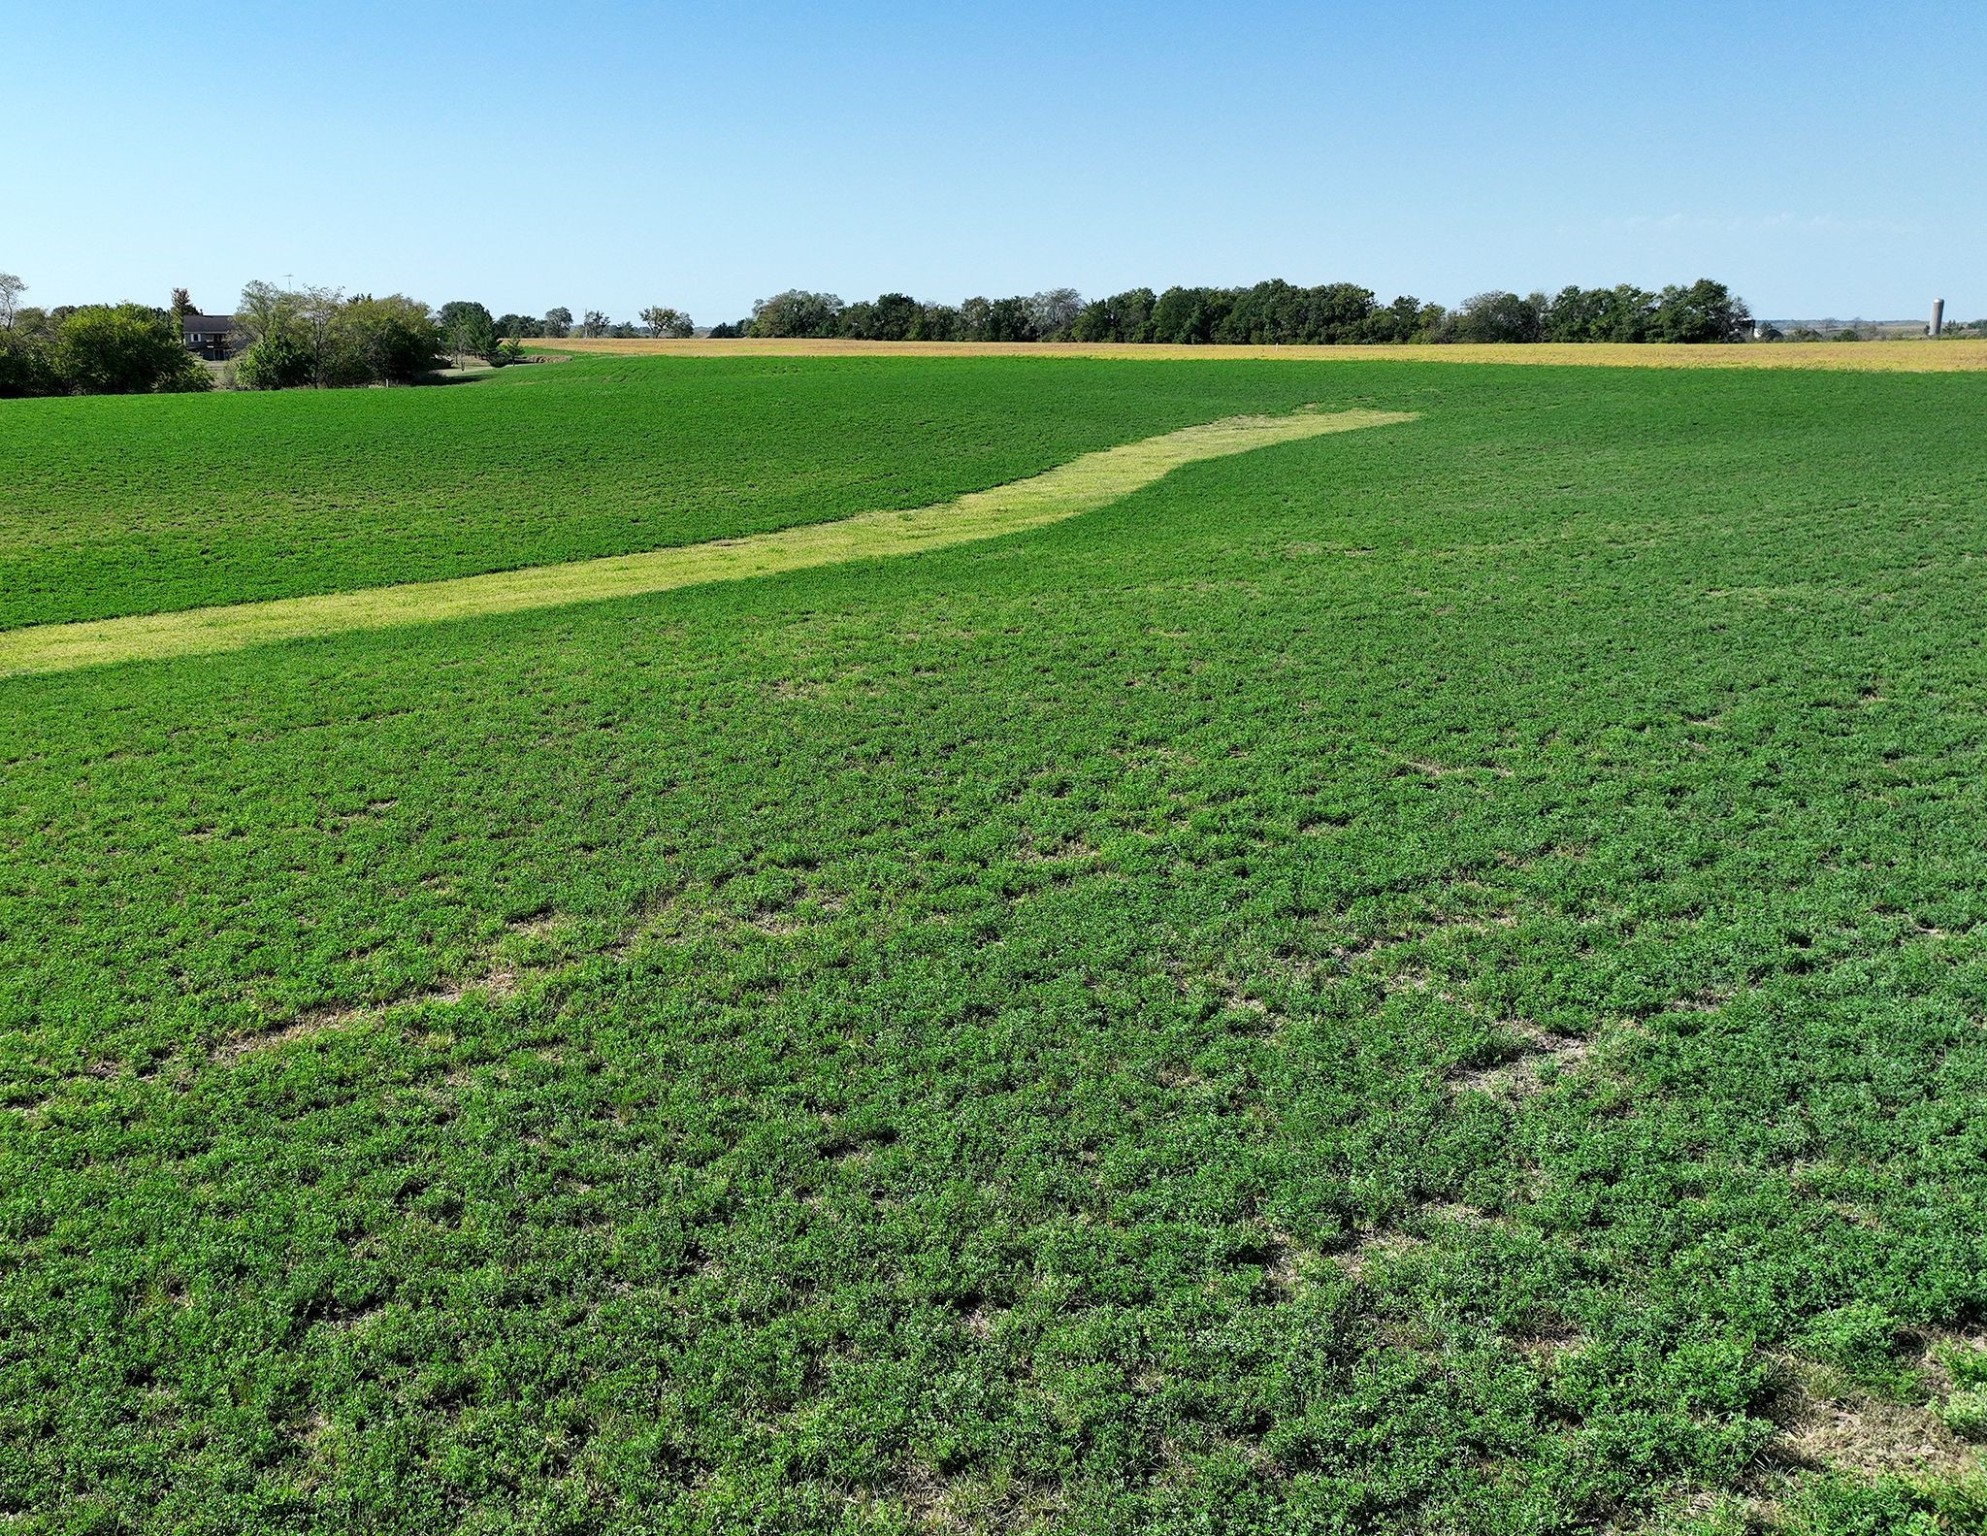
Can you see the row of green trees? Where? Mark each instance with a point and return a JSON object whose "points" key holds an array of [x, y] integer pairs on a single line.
{"points": [[284, 338], [556, 324], [1702, 312], [91, 349], [1274, 313]]}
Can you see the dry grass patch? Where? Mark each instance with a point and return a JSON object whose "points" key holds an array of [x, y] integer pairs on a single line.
{"points": [[1827, 1423]]}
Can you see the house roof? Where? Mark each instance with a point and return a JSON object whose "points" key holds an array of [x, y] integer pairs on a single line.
{"points": [[207, 323]]}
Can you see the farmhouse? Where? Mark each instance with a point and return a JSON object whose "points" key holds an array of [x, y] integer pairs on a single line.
{"points": [[209, 335]]}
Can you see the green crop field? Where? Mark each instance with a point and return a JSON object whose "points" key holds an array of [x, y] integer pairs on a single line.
{"points": [[1430, 978]]}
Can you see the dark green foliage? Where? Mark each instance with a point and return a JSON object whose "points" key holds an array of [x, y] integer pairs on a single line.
{"points": [[279, 360], [392, 340], [1500, 317], [125, 349], [1274, 313], [893, 317], [1006, 320], [98, 349], [1375, 986], [467, 329], [1703, 312], [1622, 313], [797, 313], [1122, 317], [1191, 316], [318, 336], [26, 368]]}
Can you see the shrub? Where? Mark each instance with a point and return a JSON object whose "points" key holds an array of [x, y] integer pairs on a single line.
{"points": [[279, 360], [125, 349], [25, 368]]}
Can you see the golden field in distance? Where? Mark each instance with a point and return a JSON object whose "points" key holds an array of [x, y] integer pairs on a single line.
{"points": [[1918, 356]]}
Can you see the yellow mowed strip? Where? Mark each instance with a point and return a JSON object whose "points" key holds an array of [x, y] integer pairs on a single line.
{"points": [[1082, 485]]}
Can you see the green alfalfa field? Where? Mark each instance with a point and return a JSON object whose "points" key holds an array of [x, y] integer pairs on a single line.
{"points": [[1429, 978]]}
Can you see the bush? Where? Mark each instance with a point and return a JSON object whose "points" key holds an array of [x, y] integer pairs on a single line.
{"points": [[279, 360], [125, 349], [25, 368]]}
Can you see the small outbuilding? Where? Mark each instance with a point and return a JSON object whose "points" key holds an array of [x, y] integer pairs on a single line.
{"points": [[210, 336]]}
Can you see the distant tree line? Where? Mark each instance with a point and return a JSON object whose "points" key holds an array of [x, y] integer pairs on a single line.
{"points": [[659, 320], [1274, 313]]}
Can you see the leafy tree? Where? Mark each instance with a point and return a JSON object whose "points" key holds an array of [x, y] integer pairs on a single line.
{"points": [[726, 330], [303, 318], [1500, 316], [520, 327], [935, 322], [1052, 312], [467, 329], [1621, 313], [797, 313], [26, 365], [558, 322], [595, 324], [664, 321], [1010, 320], [893, 317], [1703, 312], [11, 289], [125, 349], [1123, 316], [280, 360], [25, 368], [1191, 316], [1279, 314], [1407, 319], [266, 310], [387, 341]]}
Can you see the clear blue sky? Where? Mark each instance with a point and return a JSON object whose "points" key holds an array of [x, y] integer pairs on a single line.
{"points": [[1823, 159]]}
